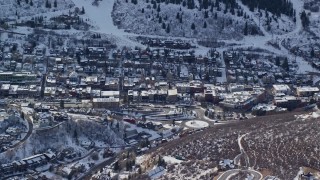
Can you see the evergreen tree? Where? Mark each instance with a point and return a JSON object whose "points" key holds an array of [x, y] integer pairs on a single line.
{"points": [[168, 28], [190, 4], [165, 18], [312, 53], [225, 10], [48, 4], [277, 61], [304, 19], [193, 26], [245, 31], [82, 10], [163, 26], [285, 65], [206, 15], [205, 24], [55, 3], [232, 11], [134, 2], [205, 4]]}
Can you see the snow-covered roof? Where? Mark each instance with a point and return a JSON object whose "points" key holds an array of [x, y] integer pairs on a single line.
{"points": [[109, 93], [172, 92], [281, 87], [105, 100], [307, 89]]}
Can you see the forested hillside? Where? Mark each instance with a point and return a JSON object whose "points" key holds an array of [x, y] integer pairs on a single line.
{"points": [[221, 19], [276, 7], [218, 19]]}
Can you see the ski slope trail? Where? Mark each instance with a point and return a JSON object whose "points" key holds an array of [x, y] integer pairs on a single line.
{"points": [[101, 17]]}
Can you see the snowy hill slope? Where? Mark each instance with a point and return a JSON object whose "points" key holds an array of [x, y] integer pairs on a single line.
{"points": [[179, 21], [11, 8], [282, 144]]}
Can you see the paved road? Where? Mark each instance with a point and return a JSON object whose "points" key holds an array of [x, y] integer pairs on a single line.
{"points": [[243, 152], [230, 173], [49, 128], [30, 125]]}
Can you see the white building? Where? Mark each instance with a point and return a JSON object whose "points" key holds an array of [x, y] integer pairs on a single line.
{"points": [[281, 90]]}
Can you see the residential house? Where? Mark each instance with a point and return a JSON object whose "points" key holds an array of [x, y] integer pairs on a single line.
{"points": [[226, 164]]}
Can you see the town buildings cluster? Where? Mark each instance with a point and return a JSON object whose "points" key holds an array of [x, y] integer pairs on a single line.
{"points": [[95, 75], [100, 76]]}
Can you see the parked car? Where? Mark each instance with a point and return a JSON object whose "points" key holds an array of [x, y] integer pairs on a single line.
{"points": [[130, 120]]}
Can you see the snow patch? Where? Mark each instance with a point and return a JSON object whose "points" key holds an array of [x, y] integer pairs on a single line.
{"points": [[197, 124], [171, 160]]}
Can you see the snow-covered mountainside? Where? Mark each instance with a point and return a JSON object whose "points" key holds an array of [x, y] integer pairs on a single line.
{"points": [[217, 22], [14, 9]]}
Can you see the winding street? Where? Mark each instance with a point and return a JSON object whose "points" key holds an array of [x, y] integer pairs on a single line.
{"points": [[237, 158], [228, 174], [243, 152], [30, 129]]}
